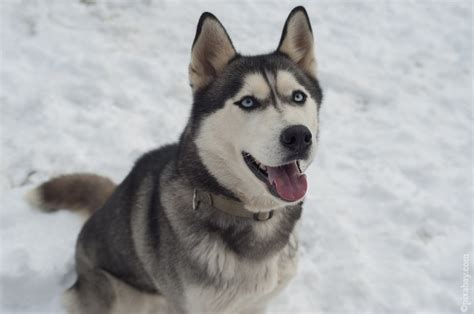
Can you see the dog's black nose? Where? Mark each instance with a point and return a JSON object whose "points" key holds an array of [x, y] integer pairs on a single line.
{"points": [[296, 138]]}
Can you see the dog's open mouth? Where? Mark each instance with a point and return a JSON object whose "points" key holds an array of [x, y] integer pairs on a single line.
{"points": [[286, 181]]}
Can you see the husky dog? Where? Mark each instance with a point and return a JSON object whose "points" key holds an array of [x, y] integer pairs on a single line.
{"points": [[206, 224]]}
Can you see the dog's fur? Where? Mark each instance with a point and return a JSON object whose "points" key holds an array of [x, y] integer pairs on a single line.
{"points": [[146, 249]]}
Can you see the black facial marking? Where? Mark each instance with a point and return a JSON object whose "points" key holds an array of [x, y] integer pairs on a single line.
{"points": [[273, 95]]}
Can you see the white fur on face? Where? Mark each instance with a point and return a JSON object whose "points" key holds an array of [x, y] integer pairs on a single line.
{"points": [[229, 131]]}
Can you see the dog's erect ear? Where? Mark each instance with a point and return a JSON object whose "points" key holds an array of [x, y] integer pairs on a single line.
{"points": [[297, 41], [212, 50]]}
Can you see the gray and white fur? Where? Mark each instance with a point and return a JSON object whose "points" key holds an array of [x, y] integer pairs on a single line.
{"points": [[144, 248]]}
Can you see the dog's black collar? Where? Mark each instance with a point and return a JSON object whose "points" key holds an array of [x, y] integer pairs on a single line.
{"points": [[227, 206]]}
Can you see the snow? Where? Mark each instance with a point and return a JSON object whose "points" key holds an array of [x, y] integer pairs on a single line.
{"points": [[91, 85]]}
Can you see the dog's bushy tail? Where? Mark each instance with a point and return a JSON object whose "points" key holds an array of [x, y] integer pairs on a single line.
{"points": [[82, 192]]}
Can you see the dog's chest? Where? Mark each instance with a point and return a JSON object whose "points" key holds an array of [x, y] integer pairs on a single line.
{"points": [[237, 285]]}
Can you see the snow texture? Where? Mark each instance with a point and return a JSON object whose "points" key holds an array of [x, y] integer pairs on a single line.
{"points": [[92, 85]]}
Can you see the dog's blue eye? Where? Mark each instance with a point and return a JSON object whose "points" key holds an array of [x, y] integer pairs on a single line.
{"points": [[247, 102], [299, 97]]}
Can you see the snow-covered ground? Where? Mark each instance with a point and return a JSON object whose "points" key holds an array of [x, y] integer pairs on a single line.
{"points": [[388, 217]]}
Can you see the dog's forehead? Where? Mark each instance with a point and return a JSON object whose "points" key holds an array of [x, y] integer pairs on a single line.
{"points": [[267, 73], [255, 84], [286, 82], [263, 83]]}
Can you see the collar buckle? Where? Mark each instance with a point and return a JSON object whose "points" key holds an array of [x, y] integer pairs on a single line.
{"points": [[227, 206], [263, 216], [196, 200]]}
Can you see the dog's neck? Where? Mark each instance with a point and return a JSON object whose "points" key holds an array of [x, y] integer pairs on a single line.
{"points": [[228, 206], [190, 166], [246, 237]]}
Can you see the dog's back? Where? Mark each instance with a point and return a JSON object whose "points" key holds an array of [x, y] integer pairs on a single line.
{"points": [[107, 262]]}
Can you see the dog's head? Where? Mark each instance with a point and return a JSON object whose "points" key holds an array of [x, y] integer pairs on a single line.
{"points": [[256, 118]]}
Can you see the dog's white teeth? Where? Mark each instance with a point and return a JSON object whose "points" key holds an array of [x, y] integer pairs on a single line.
{"points": [[262, 167]]}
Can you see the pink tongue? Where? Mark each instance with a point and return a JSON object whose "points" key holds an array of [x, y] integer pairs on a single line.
{"points": [[289, 183]]}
